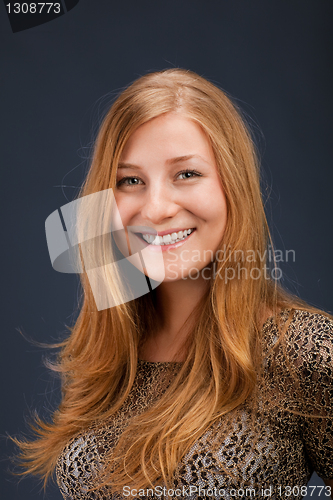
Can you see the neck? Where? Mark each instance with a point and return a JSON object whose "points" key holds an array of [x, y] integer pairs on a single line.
{"points": [[176, 302]]}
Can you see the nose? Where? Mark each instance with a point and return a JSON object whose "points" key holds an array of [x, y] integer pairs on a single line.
{"points": [[159, 204]]}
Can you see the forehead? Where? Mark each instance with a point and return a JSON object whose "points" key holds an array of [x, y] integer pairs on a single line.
{"points": [[170, 135]]}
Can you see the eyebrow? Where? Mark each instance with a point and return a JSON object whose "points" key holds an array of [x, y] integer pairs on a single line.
{"points": [[170, 161]]}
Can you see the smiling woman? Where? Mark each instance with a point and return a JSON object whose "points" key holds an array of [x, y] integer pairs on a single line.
{"points": [[176, 189], [217, 381]]}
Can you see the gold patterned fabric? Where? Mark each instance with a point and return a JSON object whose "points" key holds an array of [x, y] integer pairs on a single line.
{"points": [[272, 455]]}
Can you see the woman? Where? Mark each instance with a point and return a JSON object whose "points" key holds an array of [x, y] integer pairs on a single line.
{"points": [[216, 382]]}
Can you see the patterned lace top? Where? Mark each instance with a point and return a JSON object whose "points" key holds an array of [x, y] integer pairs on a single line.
{"points": [[273, 457]]}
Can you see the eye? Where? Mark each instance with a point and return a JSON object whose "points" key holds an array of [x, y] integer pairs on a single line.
{"points": [[188, 174], [129, 181]]}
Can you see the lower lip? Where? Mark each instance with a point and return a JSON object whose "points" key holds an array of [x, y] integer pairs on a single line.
{"points": [[165, 248]]}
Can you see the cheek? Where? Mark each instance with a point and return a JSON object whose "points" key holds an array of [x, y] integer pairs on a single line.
{"points": [[210, 205], [126, 209]]}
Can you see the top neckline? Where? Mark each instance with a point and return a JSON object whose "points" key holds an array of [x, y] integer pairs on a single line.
{"points": [[153, 363], [161, 363]]}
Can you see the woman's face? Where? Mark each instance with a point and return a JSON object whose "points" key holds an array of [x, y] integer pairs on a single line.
{"points": [[167, 180]]}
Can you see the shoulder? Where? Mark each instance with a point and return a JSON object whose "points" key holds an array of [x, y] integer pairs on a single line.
{"points": [[313, 323], [312, 331], [311, 334], [301, 341], [303, 330]]}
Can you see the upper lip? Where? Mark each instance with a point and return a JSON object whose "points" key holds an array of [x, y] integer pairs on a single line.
{"points": [[166, 231]]}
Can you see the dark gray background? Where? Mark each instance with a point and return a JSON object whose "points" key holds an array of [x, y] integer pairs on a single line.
{"points": [[56, 79]]}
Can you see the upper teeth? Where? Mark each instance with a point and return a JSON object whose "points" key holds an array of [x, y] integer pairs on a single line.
{"points": [[167, 238]]}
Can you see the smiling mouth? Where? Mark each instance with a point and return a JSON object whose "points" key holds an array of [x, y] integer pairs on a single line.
{"points": [[166, 239]]}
